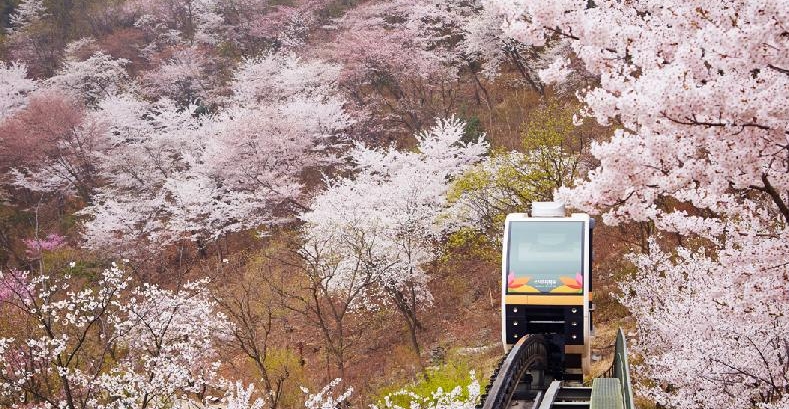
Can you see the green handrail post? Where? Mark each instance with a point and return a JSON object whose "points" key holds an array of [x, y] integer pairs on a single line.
{"points": [[622, 369]]}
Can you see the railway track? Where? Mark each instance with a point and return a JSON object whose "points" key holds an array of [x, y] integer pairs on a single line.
{"points": [[523, 380], [513, 381]]}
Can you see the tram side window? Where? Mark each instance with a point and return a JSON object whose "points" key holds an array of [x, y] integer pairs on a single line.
{"points": [[545, 257]]}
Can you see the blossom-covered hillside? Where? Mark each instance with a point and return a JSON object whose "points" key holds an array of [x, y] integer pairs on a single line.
{"points": [[256, 204]]}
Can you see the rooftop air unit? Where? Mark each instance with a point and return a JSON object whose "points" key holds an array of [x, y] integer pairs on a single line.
{"points": [[547, 209]]}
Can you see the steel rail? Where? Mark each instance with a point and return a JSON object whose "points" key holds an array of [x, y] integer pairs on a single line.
{"points": [[528, 353]]}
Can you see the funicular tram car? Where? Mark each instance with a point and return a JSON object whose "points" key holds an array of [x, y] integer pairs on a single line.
{"points": [[546, 277]]}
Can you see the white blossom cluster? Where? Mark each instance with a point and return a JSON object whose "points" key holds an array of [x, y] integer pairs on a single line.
{"points": [[325, 398], [109, 344], [14, 88], [456, 398], [385, 217]]}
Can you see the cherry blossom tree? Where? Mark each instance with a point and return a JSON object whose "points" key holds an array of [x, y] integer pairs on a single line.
{"points": [[385, 217], [92, 79], [443, 29], [701, 150], [327, 398], [27, 12], [194, 21], [385, 26], [34, 132], [172, 174], [51, 145], [326, 290], [407, 61], [150, 146], [281, 27], [106, 343], [242, 397], [380, 52], [249, 26], [16, 88], [479, 40], [26, 41], [35, 247], [469, 36], [182, 76], [297, 105], [50, 142], [740, 321]]}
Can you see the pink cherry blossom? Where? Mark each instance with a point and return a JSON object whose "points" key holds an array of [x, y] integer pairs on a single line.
{"points": [[697, 93], [53, 241]]}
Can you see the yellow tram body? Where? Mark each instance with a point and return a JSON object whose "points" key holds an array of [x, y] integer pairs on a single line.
{"points": [[546, 282]]}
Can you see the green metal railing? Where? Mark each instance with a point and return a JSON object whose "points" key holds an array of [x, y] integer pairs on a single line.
{"points": [[620, 370]]}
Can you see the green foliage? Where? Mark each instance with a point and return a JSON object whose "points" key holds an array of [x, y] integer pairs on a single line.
{"points": [[552, 143], [549, 125], [284, 364], [507, 172], [75, 263], [509, 181], [469, 243], [446, 377], [473, 129]]}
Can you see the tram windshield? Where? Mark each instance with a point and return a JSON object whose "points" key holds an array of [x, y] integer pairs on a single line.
{"points": [[545, 257]]}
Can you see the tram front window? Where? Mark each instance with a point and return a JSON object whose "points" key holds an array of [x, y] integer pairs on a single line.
{"points": [[545, 257]]}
